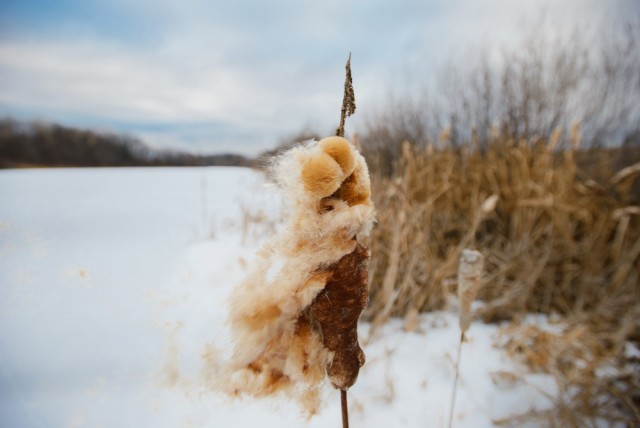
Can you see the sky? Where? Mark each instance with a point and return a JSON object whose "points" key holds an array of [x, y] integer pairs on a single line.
{"points": [[212, 76]]}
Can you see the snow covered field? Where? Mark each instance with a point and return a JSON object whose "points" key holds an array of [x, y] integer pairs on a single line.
{"points": [[113, 284]]}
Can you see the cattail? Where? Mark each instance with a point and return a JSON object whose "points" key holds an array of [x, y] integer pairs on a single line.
{"points": [[294, 327], [470, 274], [297, 325], [469, 279]]}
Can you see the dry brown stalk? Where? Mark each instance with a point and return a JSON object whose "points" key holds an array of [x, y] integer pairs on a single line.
{"points": [[626, 173]]}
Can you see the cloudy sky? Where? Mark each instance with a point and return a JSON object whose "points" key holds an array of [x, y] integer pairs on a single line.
{"points": [[238, 75]]}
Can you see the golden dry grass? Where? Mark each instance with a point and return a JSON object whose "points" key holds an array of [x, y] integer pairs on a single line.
{"points": [[557, 240], [563, 236]]}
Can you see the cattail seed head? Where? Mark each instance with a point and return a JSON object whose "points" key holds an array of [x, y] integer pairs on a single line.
{"points": [[470, 275]]}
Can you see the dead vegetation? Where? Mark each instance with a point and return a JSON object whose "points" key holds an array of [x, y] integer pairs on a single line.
{"points": [[558, 240], [596, 374], [560, 233]]}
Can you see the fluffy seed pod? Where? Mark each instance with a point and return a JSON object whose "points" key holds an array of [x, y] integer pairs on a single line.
{"points": [[294, 318]]}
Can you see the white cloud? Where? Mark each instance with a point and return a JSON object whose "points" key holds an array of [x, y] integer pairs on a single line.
{"points": [[107, 82], [252, 71]]}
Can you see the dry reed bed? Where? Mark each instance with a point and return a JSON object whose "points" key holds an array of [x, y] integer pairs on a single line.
{"points": [[558, 239]]}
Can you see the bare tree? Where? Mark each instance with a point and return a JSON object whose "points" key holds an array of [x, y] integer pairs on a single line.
{"points": [[540, 84]]}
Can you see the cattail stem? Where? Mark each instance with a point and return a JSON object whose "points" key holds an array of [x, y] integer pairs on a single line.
{"points": [[348, 108], [345, 409], [455, 382]]}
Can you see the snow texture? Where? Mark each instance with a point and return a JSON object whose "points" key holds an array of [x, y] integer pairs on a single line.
{"points": [[113, 288]]}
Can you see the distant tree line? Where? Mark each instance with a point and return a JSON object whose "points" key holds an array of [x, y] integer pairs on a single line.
{"points": [[41, 144]]}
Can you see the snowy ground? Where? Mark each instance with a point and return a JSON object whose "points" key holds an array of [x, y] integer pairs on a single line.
{"points": [[113, 283]]}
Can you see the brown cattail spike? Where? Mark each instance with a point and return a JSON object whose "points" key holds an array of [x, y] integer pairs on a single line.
{"points": [[336, 310], [348, 100]]}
